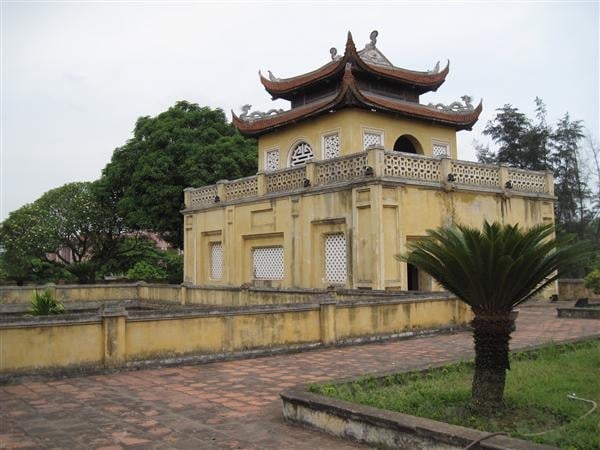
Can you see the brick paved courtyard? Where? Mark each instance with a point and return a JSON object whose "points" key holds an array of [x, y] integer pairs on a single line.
{"points": [[231, 404]]}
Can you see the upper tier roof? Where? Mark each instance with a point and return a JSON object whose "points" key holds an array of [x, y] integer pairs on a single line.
{"points": [[348, 94], [368, 60]]}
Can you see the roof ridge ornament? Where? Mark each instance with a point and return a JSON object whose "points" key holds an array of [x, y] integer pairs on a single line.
{"points": [[373, 38], [371, 54], [334, 55], [455, 106], [436, 69], [248, 116]]}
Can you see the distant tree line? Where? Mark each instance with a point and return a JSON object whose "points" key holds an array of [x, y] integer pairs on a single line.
{"points": [[534, 144], [83, 231]]}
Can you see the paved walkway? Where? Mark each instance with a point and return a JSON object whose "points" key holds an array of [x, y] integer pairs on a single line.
{"points": [[228, 404]]}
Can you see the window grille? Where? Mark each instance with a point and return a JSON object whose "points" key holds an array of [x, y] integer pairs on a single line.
{"points": [[440, 149], [371, 138], [335, 258], [272, 161], [331, 146], [301, 154], [268, 263], [216, 261]]}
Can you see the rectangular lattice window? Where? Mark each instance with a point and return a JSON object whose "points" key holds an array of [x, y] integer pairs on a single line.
{"points": [[268, 263], [331, 146], [216, 261], [271, 160], [335, 258], [372, 138], [441, 149]]}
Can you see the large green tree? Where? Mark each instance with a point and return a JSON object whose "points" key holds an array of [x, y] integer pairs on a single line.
{"points": [[571, 188], [492, 270], [187, 145], [520, 141], [71, 228]]}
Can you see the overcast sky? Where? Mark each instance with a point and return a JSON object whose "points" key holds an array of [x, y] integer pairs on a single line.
{"points": [[77, 75]]}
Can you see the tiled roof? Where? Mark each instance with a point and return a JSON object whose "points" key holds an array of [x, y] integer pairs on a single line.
{"points": [[349, 94], [422, 81]]}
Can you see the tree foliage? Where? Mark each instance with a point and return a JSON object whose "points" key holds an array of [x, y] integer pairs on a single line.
{"points": [[145, 271], [492, 270], [187, 145], [521, 142], [571, 188], [69, 228], [592, 281], [536, 145]]}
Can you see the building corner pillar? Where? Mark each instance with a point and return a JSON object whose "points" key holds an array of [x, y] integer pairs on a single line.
{"points": [[376, 160], [261, 182]]}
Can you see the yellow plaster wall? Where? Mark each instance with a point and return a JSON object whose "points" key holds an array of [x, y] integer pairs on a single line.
{"points": [[69, 293], [51, 346], [114, 341], [574, 289], [394, 318], [146, 339], [350, 124], [377, 218]]}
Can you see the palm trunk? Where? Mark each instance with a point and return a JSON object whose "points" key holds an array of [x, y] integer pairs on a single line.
{"points": [[491, 333]]}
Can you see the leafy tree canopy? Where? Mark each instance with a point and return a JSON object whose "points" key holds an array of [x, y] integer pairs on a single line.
{"points": [[68, 228], [187, 145], [521, 142], [145, 271], [536, 145]]}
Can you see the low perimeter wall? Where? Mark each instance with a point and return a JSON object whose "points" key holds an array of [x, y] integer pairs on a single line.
{"points": [[574, 289], [113, 339], [188, 294]]}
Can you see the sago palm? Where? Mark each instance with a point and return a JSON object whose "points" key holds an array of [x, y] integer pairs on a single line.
{"points": [[492, 270]]}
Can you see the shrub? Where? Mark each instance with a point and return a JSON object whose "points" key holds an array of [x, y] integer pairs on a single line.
{"points": [[173, 264], [592, 281], [43, 304], [144, 271]]}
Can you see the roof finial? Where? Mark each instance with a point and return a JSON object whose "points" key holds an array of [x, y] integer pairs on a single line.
{"points": [[373, 37], [333, 53]]}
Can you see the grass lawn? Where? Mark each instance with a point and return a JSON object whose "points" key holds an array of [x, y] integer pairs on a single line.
{"points": [[535, 396]]}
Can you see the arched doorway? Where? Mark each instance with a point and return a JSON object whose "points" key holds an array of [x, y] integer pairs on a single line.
{"points": [[407, 144]]}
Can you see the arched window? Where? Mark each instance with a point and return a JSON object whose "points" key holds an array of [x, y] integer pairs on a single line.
{"points": [[301, 153], [407, 144]]}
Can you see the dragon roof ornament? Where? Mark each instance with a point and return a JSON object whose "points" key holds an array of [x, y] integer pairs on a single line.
{"points": [[248, 116], [455, 106]]}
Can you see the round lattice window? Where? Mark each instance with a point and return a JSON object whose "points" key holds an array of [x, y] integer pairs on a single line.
{"points": [[301, 153]]}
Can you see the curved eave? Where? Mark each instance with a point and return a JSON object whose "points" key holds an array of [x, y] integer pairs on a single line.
{"points": [[350, 95], [283, 87], [261, 126], [458, 121], [423, 81]]}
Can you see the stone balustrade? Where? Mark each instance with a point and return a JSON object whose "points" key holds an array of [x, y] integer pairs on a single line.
{"points": [[376, 162]]}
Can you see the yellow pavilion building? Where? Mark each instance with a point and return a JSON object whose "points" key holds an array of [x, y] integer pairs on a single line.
{"points": [[351, 172]]}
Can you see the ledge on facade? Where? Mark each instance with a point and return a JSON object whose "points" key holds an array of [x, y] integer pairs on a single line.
{"points": [[376, 163]]}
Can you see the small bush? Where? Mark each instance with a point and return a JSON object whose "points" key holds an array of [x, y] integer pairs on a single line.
{"points": [[592, 281], [43, 304], [144, 271]]}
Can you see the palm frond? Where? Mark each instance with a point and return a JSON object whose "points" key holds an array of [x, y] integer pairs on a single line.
{"points": [[495, 268]]}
